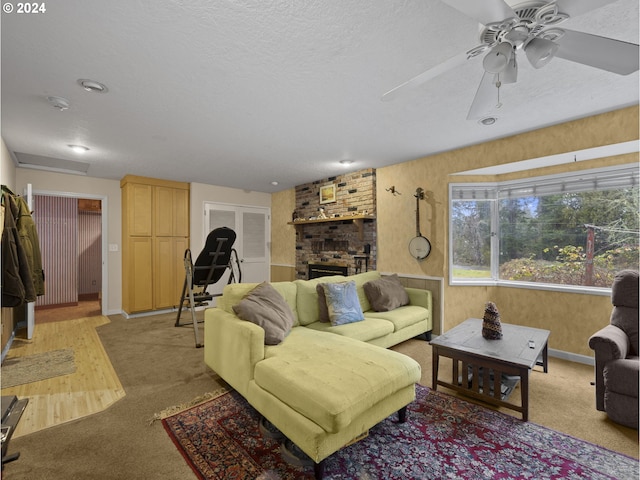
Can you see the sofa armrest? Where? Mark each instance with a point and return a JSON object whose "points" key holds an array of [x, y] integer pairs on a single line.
{"points": [[232, 347], [420, 297], [609, 343]]}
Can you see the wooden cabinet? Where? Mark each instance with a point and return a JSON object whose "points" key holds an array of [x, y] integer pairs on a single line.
{"points": [[169, 270], [136, 283], [136, 209], [171, 212], [155, 235]]}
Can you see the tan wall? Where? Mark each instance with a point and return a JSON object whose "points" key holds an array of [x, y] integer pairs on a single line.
{"points": [[571, 317], [7, 168], [283, 236]]}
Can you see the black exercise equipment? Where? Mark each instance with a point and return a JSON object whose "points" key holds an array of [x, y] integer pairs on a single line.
{"points": [[216, 257]]}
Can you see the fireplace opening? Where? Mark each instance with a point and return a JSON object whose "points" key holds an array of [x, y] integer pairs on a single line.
{"points": [[323, 270]]}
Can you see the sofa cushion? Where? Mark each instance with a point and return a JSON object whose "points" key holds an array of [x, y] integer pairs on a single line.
{"points": [[621, 376], [365, 331], [624, 290], [307, 297], [336, 378], [386, 293], [401, 317], [626, 319], [343, 304], [265, 307], [624, 297], [361, 279]]}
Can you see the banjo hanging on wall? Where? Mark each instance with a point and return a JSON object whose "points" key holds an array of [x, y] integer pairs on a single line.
{"points": [[419, 246]]}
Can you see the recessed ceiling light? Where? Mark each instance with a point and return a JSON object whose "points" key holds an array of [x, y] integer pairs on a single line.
{"points": [[486, 121], [60, 103], [92, 86], [79, 148], [346, 161], [274, 183]]}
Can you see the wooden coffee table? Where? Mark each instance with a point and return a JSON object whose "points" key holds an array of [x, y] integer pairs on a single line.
{"points": [[478, 362]]}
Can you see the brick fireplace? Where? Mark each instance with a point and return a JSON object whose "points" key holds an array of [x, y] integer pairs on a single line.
{"points": [[340, 233]]}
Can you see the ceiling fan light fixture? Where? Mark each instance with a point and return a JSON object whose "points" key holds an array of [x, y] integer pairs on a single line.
{"points": [[498, 58], [540, 51], [510, 74]]}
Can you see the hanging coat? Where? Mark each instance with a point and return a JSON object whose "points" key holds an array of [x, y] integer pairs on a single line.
{"points": [[17, 281], [31, 244]]}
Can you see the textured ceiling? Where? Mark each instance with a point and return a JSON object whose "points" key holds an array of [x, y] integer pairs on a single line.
{"points": [[243, 93]]}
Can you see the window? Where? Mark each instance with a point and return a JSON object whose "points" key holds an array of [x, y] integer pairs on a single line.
{"points": [[572, 230]]}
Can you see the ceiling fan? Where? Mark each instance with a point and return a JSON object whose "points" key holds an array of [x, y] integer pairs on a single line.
{"points": [[530, 28]]}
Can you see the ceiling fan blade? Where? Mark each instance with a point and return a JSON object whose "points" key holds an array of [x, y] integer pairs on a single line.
{"points": [[577, 7], [600, 52], [485, 11], [486, 97], [425, 76]]}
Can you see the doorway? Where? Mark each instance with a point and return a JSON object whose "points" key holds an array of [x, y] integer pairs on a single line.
{"points": [[252, 227], [70, 230]]}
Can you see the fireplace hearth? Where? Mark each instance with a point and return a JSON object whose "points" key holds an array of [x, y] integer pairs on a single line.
{"points": [[324, 270]]}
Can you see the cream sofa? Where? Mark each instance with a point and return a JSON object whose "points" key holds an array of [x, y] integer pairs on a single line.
{"points": [[323, 385]]}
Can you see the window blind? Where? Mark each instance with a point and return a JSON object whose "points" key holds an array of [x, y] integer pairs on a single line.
{"points": [[611, 178]]}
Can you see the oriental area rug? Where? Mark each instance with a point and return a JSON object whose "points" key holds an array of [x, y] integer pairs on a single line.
{"points": [[444, 437]]}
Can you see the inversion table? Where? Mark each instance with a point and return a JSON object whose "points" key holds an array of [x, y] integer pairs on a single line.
{"points": [[216, 257]]}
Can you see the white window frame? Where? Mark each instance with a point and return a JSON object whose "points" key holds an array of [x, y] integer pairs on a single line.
{"points": [[494, 194]]}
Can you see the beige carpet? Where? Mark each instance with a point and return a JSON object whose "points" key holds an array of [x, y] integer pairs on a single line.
{"points": [[159, 367], [40, 366], [562, 399]]}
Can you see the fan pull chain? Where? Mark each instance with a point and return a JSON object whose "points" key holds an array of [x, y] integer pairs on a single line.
{"points": [[498, 85]]}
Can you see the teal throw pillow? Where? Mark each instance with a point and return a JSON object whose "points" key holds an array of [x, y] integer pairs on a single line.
{"points": [[343, 304]]}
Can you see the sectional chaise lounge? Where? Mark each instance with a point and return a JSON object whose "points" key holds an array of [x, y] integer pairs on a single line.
{"points": [[321, 383]]}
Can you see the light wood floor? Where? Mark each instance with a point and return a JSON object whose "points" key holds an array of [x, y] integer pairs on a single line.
{"points": [[84, 308], [92, 388]]}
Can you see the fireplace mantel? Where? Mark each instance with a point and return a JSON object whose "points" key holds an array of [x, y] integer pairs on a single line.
{"points": [[357, 220]]}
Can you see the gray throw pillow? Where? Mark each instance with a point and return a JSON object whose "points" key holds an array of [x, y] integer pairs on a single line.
{"points": [[323, 311], [265, 307], [386, 293]]}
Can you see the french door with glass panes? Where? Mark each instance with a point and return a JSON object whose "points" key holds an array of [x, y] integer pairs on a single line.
{"points": [[252, 227]]}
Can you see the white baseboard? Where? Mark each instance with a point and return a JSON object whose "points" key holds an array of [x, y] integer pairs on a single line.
{"points": [[159, 312], [572, 357]]}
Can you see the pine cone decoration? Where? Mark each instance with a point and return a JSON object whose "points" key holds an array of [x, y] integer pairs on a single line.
{"points": [[491, 327]]}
